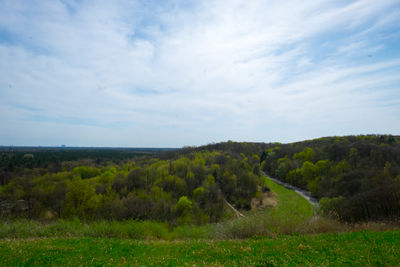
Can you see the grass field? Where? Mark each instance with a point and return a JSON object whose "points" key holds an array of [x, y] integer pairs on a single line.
{"points": [[290, 204], [345, 249]]}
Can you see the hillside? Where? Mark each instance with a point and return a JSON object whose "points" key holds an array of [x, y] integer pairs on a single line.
{"points": [[170, 210], [355, 178]]}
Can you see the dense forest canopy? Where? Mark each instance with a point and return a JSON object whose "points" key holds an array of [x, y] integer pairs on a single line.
{"points": [[356, 178], [179, 187]]}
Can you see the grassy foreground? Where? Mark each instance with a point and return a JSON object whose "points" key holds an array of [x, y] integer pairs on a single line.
{"points": [[364, 248], [259, 239]]}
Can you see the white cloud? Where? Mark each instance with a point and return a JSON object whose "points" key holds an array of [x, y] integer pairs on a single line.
{"points": [[145, 74]]}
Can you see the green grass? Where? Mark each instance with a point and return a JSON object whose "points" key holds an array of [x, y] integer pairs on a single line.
{"points": [[364, 248], [290, 204]]}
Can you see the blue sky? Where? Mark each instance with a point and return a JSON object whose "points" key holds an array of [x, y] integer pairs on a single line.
{"points": [[176, 73]]}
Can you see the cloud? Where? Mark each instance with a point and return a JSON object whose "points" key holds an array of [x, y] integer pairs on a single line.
{"points": [[179, 73]]}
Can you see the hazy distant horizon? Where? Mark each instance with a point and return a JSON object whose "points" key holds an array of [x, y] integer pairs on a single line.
{"points": [[172, 147], [189, 73]]}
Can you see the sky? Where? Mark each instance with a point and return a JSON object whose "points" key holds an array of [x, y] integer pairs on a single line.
{"points": [[188, 73]]}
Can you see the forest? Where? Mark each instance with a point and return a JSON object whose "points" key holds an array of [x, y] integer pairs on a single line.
{"points": [[186, 188], [355, 178]]}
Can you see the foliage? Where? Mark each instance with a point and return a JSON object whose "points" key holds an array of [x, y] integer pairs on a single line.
{"points": [[290, 216], [360, 171], [118, 184], [186, 188]]}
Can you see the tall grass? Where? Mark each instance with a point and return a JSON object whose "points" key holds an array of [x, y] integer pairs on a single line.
{"points": [[77, 228]]}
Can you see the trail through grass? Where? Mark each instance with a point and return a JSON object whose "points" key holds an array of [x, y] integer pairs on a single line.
{"points": [[290, 204], [345, 249]]}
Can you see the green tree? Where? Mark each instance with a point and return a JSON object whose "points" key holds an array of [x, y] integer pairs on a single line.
{"points": [[137, 179], [353, 157], [308, 172], [228, 184], [307, 154], [81, 199], [85, 171], [183, 210]]}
